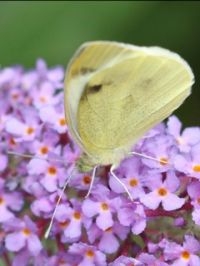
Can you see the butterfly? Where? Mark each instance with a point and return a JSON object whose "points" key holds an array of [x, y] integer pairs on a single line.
{"points": [[115, 93]]}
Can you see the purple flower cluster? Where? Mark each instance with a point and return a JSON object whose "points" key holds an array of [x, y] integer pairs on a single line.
{"points": [[159, 227]]}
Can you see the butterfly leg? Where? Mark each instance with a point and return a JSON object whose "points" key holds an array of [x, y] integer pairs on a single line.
{"points": [[92, 181], [57, 204], [121, 183], [147, 157]]}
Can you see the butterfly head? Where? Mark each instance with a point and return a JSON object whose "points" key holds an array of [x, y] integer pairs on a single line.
{"points": [[85, 163]]}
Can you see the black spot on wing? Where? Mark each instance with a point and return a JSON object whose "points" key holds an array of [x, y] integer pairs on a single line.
{"points": [[94, 88], [146, 83], [82, 71], [86, 70]]}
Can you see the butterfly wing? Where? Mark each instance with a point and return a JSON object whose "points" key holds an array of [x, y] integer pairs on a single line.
{"points": [[90, 58], [122, 91]]}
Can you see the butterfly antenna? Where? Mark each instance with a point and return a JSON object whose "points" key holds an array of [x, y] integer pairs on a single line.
{"points": [[121, 183], [46, 235], [147, 157], [30, 156], [92, 181]]}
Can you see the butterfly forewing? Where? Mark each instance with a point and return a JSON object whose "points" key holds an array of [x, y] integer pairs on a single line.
{"points": [[114, 93]]}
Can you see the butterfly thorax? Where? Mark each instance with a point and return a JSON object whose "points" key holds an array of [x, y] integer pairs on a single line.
{"points": [[113, 157]]}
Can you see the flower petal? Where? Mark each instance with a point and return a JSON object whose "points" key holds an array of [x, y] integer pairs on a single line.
{"points": [[15, 241]]}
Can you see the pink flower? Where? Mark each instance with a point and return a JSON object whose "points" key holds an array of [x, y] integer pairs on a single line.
{"points": [[190, 163], [90, 256], [186, 254], [102, 208], [125, 261], [71, 220], [132, 175], [55, 118], [22, 234], [108, 240], [51, 175], [10, 202], [163, 192], [186, 139], [133, 214]]}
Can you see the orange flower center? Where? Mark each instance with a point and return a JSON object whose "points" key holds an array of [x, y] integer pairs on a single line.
{"points": [[198, 200], [185, 255], [52, 170], [44, 150], [163, 161], [196, 168], [104, 206], [62, 262], [12, 141], [108, 229], [77, 215], [86, 179], [162, 192], [64, 224], [1, 200], [133, 182], [29, 130], [43, 99], [62, 122], [90, 253], [15, 96], [26, 231]]}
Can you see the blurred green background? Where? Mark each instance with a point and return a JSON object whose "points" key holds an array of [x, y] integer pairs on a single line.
{"points": [[54, 29]]}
